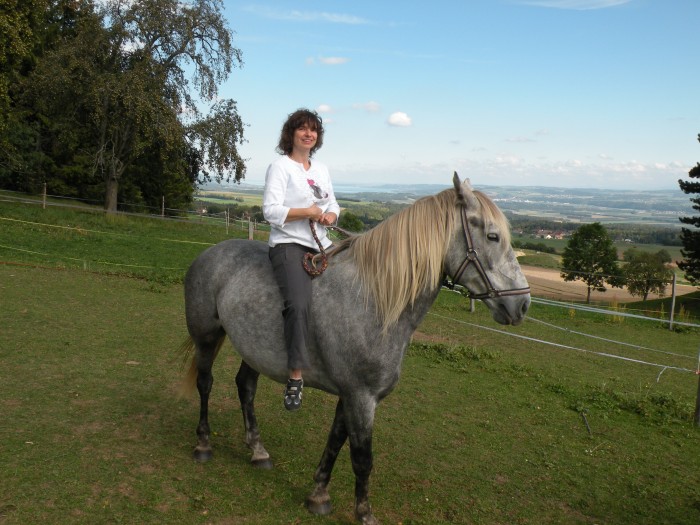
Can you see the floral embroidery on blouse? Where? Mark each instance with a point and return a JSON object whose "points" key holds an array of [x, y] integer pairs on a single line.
{"points": [[317, 191]]}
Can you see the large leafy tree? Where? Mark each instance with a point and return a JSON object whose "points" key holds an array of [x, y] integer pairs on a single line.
{"points": [[591, 257], [133, 91], [20, 32], [691, 237], [647, 272]]}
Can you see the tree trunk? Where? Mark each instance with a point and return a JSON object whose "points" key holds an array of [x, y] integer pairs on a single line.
{"points": [[111, 192]]}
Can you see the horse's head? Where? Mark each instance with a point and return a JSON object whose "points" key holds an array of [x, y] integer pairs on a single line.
{"points": [[482, 260]]}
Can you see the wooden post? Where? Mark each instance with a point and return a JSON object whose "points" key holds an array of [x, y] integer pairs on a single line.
{"points": [[162, 207], [472, 305], [251, 230], [227, 218], [697, 406], [673, 300], [696, 417], [43, 199]]}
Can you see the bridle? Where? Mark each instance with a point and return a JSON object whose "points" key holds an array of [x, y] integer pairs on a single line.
{"points": [[473, 258]]}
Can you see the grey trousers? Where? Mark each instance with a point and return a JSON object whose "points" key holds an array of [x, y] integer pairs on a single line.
{"points": [[295, 285]]}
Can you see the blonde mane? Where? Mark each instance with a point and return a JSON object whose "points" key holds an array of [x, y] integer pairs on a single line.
{"points": [[403, 256]]}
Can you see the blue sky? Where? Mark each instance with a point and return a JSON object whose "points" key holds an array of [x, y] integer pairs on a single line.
{"points": [[566, 93]]}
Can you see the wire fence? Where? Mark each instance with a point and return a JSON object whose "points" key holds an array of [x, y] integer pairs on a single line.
{"points": [[124, 208]]}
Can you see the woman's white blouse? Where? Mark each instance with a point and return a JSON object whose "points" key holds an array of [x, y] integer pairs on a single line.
{"points": [[289, 185]]}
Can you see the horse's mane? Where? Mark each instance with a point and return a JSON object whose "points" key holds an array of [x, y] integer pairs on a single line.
{"points": [[403, 256]]}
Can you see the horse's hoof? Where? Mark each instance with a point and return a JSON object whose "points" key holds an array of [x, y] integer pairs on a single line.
{"points": [[202, 455], [264, 464], [320, 508], [369, 519]]}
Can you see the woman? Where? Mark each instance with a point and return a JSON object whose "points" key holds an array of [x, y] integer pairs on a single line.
{"points": [[297, 190]]}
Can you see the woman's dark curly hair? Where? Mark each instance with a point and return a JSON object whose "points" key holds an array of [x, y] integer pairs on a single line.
{"points": [[294, 121]]}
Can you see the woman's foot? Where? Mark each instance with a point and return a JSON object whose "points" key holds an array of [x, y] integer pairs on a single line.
{"points": [[292, 394]]}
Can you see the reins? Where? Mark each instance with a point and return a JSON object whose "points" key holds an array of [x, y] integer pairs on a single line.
{"points": [[309, 261]]}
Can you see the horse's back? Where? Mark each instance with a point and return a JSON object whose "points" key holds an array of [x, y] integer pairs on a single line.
{"points": [[240, 263]]}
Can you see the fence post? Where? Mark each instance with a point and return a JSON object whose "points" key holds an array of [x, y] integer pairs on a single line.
{"points": [[43, 198], [673, 301], [472, 305], [696, 417], [162, 207], [250, 230]]}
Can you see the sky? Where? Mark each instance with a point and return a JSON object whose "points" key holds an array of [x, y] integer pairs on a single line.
{"points": [[566, 93]]}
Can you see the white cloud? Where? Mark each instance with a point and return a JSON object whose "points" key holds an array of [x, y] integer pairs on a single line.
{"points": [[576, 5], [324, 108], [369, 107], [506, 170], [520, 140], [333, 61], [400, 119], [307, 16]]}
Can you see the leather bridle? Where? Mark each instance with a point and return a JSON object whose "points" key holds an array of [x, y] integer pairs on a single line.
{"points": [[473, 258]]}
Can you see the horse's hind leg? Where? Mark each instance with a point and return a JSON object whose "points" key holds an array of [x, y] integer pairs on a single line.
{"points": [[204, 359], [247, 383], [319, 502]]}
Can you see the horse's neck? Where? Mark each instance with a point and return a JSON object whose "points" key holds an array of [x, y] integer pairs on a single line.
{"points": [[413, 315]]}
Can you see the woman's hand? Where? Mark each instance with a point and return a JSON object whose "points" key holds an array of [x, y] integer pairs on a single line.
{"points": [[315, 213], [328, 218]]}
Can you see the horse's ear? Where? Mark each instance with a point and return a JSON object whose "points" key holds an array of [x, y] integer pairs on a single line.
{"points": [[465, 194]]}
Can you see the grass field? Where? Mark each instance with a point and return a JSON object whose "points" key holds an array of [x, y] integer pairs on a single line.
{"points": [[483, 427]]}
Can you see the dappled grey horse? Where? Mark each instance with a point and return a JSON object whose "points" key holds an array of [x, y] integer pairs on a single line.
{"points": [[378, 287]]}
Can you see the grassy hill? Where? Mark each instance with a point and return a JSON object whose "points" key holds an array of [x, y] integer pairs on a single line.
{"points": [[534, 424]]}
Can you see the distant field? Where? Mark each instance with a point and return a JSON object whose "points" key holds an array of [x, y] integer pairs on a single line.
{"points": [[224, 197], [560, 244]]}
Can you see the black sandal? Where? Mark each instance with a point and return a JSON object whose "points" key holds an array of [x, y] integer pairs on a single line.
{"points": [[292, 394]]}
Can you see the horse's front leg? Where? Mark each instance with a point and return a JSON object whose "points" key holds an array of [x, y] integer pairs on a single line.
{"points": [[359, 418], [319, 502], [247, 383]]}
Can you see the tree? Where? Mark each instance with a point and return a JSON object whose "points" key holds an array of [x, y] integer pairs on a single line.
{"points": [[18, 19], [132, 80], [350, 222], [647, 272], [691, 238], [591, 257]]}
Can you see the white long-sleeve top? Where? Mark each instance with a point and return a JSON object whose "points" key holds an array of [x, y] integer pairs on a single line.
{"points": [[289, 185]]}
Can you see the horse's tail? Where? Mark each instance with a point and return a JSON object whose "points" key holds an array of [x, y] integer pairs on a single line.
{"points": [[187, 351]]}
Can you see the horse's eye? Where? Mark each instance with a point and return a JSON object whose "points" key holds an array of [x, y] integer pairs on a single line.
{"points": [[492, 237]]}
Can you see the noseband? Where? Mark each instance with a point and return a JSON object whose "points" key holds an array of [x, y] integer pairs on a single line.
{"points": [[473, 258]]}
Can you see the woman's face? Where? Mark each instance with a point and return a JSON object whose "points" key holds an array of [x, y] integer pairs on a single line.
{"points": [[305, 138]]}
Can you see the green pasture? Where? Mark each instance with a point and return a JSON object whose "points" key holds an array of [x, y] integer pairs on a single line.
{"points": [[146, 247], [483, 428]]}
